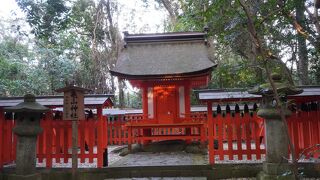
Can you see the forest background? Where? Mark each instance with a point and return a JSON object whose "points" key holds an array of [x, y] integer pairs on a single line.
{"points": [[51, 42]]}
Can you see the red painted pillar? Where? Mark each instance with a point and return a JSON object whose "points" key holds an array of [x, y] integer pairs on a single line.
{"points": [[187, 109], [145, 102], [105, 141], [146, 132], [210, 133], [105, 132], [100, 138], [129, 138]]}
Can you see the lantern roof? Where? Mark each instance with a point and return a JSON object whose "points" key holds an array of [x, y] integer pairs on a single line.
{"points": [[29, 104], [283, 87]]}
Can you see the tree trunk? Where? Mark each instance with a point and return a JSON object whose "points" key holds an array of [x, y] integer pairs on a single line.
{"points": [[121, 93], [172, 14], [302, 66]]}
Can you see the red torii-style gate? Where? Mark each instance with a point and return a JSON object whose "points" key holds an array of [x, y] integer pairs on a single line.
{"points": [[165, 67], [55, 140]]}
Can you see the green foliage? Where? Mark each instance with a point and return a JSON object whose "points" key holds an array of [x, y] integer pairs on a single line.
{"points": [[12, 71], [74, 41], [134, 100], [47, 17], [78, 40], [228, 25]]}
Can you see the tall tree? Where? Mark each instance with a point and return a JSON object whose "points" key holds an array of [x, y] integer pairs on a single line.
{"points": [[302, 45], [278, 25], [83, 31]]}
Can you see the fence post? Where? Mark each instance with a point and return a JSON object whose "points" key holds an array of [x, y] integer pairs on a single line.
{"points": [[49, 137], [129, 138], [210, 133], [105, 141], [1, 138], [100, 138]]}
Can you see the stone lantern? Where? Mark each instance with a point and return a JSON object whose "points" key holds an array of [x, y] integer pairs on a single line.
{"points": [[27, 128], [276, 163]]}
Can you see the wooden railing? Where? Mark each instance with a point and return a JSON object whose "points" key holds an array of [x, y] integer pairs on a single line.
{"points": [[7, 140], [55, 141], [235, 136]]}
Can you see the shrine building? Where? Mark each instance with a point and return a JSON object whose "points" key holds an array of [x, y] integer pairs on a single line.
{"points": [[165, 67]]}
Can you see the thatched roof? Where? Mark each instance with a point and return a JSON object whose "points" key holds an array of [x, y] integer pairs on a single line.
{"points": [[173, 54]]}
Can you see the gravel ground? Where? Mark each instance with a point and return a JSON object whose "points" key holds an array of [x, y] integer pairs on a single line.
{"points": [[161, 159], [158, 159]]}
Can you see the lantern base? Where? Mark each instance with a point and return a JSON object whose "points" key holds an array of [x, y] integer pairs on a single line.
{"points": [[276, 171]]}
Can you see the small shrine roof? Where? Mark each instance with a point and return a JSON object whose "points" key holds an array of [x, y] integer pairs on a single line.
{"points": [[57, 101], [166, 54], [218, 95]]}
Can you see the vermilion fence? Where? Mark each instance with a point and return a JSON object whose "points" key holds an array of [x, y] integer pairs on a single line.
{"points": [[304, 126], [236, 135], [231, 136], [7, 140], [55, 142]]}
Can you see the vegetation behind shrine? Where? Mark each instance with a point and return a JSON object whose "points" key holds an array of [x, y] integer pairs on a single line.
{"points": [[79, 40]]}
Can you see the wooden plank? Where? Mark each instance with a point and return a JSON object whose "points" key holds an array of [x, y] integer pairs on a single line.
{"points": [[8, 141], [238, 123], [256, 128], [229, 124], [49, 137], [221, 131], [5, 141], [119, 133], [294, 119], [65, 141], [105, 134], [82, 138], [129, 138], [317, 131], [40, 142], [247, 122], [58, 135], [91, 129], [210, 134], [2, 119], [14, 143], [100, 139], [166, 125], [306, 141]]}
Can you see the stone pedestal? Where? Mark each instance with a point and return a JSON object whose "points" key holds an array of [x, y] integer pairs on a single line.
{"points": [[26, 155], [26, 143], [276, 165], [276, 141]]}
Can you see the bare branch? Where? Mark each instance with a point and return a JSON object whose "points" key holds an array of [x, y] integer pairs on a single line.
{"points": [[314, 17]]}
